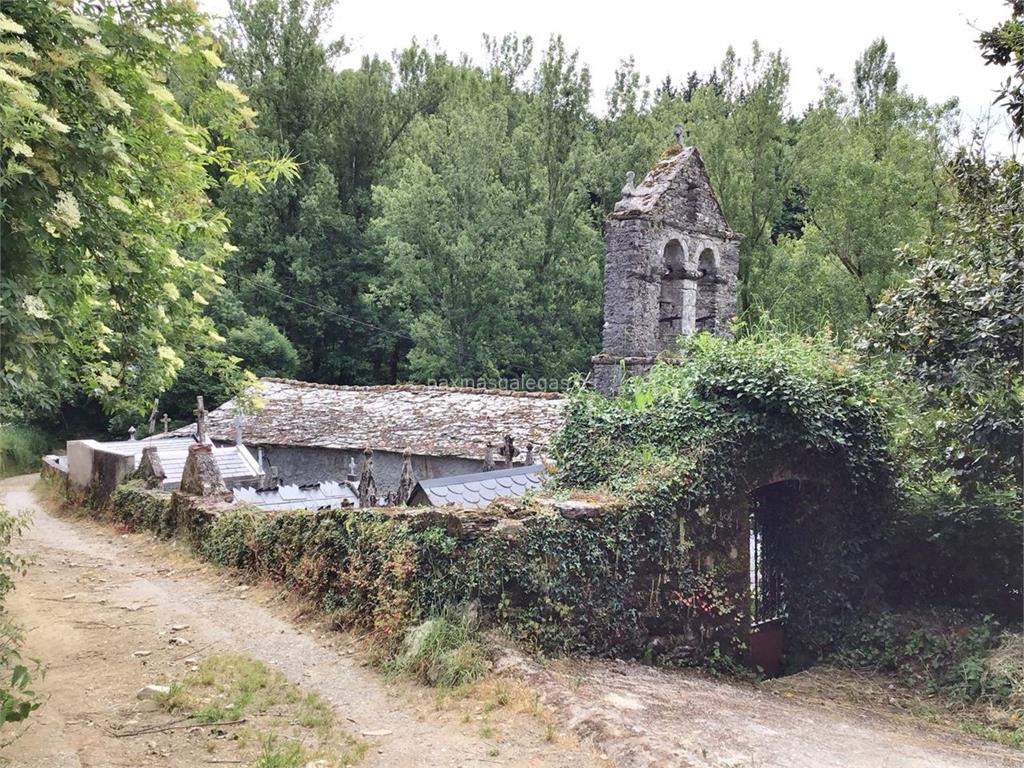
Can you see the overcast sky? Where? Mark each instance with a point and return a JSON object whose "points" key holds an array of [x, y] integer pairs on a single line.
{"points": [[933, 40]]}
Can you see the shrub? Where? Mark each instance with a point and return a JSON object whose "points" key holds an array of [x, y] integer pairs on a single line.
{"points": [[17, 699], [230, 539], [20, 449], [443, 651], [958, 655]]}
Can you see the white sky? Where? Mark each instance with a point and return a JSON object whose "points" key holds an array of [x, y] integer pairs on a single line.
{"points": [[933, 40]]}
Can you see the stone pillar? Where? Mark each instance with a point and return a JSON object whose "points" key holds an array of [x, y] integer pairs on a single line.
{"points": [[151, 469], [632, 300], [632, 289], [201, 476]]}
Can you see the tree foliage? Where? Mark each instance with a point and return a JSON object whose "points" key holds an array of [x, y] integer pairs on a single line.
{"points": [[443, 218], [116, 129], [1003, 46], [954, 330]]}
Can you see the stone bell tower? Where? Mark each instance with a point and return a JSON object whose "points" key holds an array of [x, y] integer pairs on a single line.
{"points": [[670, 268]]}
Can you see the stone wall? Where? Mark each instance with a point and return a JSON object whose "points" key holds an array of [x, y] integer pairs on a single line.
{"points": [[301, 465]]}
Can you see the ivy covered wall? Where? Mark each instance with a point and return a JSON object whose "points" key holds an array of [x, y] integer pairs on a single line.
{"points": [[639, 548]]}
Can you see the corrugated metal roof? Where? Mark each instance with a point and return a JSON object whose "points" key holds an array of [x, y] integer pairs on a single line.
{"points": [[480, 488], [429, 421], [134, 447], [234, 462], [324, 495]]}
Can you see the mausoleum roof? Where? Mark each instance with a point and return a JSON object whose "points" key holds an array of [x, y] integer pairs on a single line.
{"points": [[429, 421], [477, 490], [328, 494]]}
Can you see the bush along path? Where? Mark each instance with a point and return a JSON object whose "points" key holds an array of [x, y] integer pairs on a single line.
{"points": [[114, 612]]}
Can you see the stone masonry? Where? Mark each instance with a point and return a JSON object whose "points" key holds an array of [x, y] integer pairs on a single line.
{"points": [[671, 265]]}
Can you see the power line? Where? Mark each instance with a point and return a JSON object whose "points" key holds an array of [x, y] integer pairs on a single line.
{"points": [[348, 318]]}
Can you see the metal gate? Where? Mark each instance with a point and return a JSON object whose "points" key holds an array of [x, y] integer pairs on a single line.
{"points": [[767, 587]]}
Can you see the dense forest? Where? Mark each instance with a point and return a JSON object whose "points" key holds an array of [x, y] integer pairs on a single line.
{"points": [[421, 216]]}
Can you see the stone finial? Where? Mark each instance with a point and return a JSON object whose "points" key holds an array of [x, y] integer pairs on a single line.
{"points": [[238, 422], [262, 482], [489, 457], [629, 188], [166, 422], [678, 130], [131, 433], [528, 461], [367, 485], [201, 476], [151, 469], [407, 481], [200, 413], [508, 451]]}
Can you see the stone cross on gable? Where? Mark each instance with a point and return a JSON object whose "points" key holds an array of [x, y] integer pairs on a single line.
{"points": [[166, 422], [200, 413]]}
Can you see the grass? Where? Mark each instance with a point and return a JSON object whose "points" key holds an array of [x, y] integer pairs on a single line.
{"points": [[20, 449], [277, 754], [1004, 736], [444, 652], [291, 727]]}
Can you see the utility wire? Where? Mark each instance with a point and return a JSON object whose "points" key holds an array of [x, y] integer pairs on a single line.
{"points": [[348, 318]]}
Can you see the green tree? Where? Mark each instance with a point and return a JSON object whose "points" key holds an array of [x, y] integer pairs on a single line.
{"points": [[870, 171], [452, 232], [493, 262], [1003, 46], [954, 330], [304, 256], [111, 245]]}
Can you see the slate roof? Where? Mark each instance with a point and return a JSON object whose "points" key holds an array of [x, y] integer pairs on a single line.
{"points": [[478, 489], [323, 495], [429, 421]]}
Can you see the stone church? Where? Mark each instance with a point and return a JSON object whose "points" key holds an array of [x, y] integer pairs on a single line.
{"points": [[670, 269], [671, 264]]}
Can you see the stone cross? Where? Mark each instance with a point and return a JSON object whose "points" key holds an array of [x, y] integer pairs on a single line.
{"points": [[508, 451], [367, 484], [200, 413], [407, 482], [679, 133], [166, 422]]}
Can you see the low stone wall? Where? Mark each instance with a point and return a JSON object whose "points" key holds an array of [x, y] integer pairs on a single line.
{"points": [[54, 471], [559, 575]]}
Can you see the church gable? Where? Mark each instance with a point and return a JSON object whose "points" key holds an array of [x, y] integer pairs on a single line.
{"points": [[677, 190]]}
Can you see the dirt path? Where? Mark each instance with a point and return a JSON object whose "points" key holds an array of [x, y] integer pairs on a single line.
{"points": [[128, 591], [645, 717], [95, 598]]}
